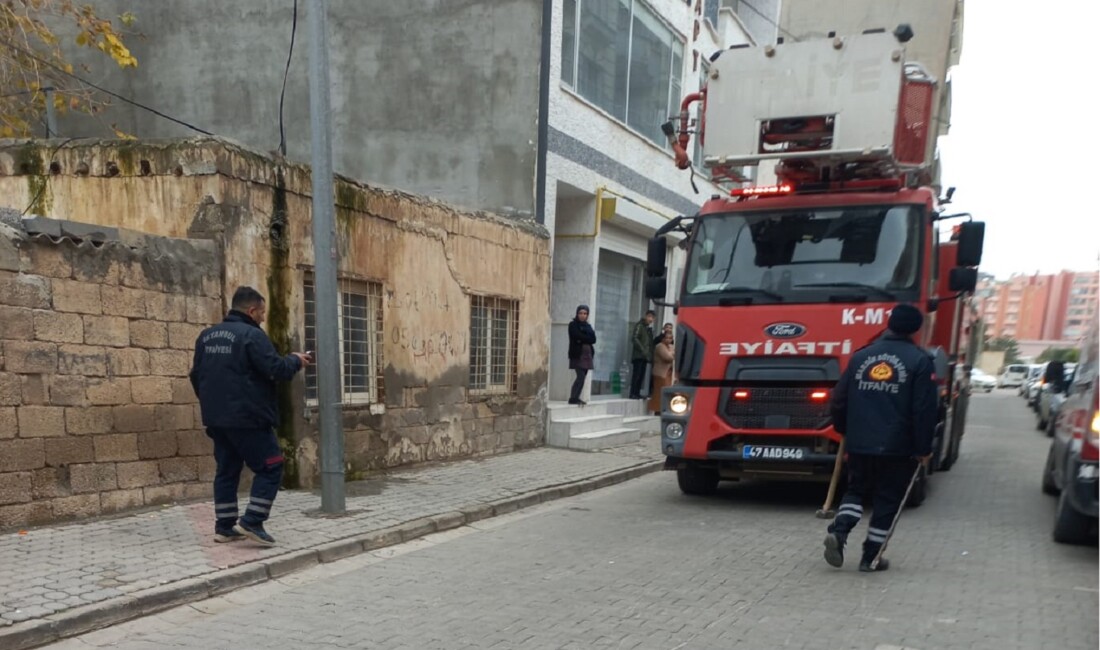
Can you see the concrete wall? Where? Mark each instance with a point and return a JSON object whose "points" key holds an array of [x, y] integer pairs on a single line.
{"points": [[428, 257], [96, 412], [436, 97]]}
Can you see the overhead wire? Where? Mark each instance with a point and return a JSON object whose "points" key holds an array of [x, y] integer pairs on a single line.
{"points": [[286, 73], [32, 55]]}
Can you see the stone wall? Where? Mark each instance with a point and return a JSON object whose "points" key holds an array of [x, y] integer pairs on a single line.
{"points": [[428, 260], [96, 335]]}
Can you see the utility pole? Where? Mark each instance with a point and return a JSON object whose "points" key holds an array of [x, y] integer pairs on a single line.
{"points": [[325, 258]]}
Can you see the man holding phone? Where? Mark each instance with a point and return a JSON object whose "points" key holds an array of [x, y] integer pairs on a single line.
{"points": [[234, 374]]}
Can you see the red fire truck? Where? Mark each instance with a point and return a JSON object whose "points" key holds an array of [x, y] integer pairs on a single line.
{"points": [[783, 282]]}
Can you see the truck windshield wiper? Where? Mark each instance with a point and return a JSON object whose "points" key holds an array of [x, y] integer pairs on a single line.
{"points": [[855, 285], [751, 290]]}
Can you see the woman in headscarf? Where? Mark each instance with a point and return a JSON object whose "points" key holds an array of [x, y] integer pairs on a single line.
{"points": [[581, 339], [664, 357]]}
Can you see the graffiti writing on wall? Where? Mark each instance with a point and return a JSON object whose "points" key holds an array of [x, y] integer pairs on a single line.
{"points": [[444, 346], [422, 299]]}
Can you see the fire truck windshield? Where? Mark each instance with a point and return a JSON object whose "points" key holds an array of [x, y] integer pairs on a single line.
{"points": [[805, 256]]}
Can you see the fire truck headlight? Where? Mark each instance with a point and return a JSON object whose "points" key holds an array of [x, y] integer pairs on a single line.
{"points": [[678, 404], [674, 431]]}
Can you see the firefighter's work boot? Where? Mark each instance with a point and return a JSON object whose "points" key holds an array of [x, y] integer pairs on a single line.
{"points": [[834, 549], [865, 566], [870, 551]]}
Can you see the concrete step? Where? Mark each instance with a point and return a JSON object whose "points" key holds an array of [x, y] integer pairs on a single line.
{"points": [[627, 407], [587, 423], [563, 411], [649, 425], [562, 430], [598, 406], [604, 439]]}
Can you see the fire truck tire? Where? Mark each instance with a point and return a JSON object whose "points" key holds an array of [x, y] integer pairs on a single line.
{"points": [[700, 481], [945, 461], [920, 491]]}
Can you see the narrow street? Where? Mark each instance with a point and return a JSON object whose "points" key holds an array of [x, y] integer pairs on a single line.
{"points": [[641, 566]]}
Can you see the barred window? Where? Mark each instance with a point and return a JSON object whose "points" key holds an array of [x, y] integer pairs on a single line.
{"points": [[361, 337], [494, 330]]}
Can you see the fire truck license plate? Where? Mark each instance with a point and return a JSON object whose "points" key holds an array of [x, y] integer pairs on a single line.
{"points": [[756, 452]]}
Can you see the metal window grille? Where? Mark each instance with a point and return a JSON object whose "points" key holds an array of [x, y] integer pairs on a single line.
{"points": [[494, 331], [361, 339]]}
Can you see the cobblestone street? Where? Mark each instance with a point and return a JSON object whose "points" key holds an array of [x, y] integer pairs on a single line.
{"points": [[641, 566]]}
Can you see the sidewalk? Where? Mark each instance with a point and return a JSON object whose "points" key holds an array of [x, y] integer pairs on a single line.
{"points": [[68, 579]]}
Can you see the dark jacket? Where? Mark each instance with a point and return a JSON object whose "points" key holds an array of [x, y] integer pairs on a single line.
{"points": [[234, 374], [642, 342], [580, 334], [886, 401]]}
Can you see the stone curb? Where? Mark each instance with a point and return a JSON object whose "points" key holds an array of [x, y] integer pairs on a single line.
{"points": [[79, 620]]}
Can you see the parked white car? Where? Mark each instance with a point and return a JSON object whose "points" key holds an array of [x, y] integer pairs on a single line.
{"points": [[979, 380], [1013, 375]]}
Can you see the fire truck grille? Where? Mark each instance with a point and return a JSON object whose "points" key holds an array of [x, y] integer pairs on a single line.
{"points": [[776, 408]]}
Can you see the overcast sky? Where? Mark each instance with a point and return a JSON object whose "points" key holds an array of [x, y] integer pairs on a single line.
{"points": [[1025, 127]]}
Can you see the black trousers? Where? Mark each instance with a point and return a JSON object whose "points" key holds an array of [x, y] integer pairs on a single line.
{"points": [[637, 376], [578, 384], [233, 449], [884, 479]]}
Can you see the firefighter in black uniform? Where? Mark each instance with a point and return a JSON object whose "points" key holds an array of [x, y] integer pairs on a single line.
{"points": [[234, 374], [885, 404]]}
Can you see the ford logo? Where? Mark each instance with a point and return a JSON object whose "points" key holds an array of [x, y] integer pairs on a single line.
{"points": [[784, 330]]}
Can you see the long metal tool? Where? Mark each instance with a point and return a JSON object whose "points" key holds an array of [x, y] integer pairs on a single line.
{"points": [[827, 511], [901, 506]]}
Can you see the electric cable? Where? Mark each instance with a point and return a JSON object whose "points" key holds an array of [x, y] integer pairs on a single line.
{"points": [[32, 55], [286, 72]]}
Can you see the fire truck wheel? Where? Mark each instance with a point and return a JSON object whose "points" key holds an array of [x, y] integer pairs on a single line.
{"points": [[948, 456], [700, 481]]}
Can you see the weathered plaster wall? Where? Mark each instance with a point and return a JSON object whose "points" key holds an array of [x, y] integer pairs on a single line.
{"points": [[428, 257]]}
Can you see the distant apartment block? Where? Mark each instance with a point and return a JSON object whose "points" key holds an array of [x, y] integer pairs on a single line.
{"points": [[1056, 307]]}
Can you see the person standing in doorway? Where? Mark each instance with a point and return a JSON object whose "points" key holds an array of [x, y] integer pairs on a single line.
{"points": [[582, 339], [885, 405], [664, 357], [641, 354], [234, 374]]}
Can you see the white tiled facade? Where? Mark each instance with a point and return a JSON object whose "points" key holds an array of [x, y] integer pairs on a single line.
{"points": [[590, 149]]}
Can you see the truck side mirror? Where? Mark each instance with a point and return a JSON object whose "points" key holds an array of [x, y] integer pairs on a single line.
{"points": [[656, 288], [655, 257], [963, 279], [971, 240]]}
